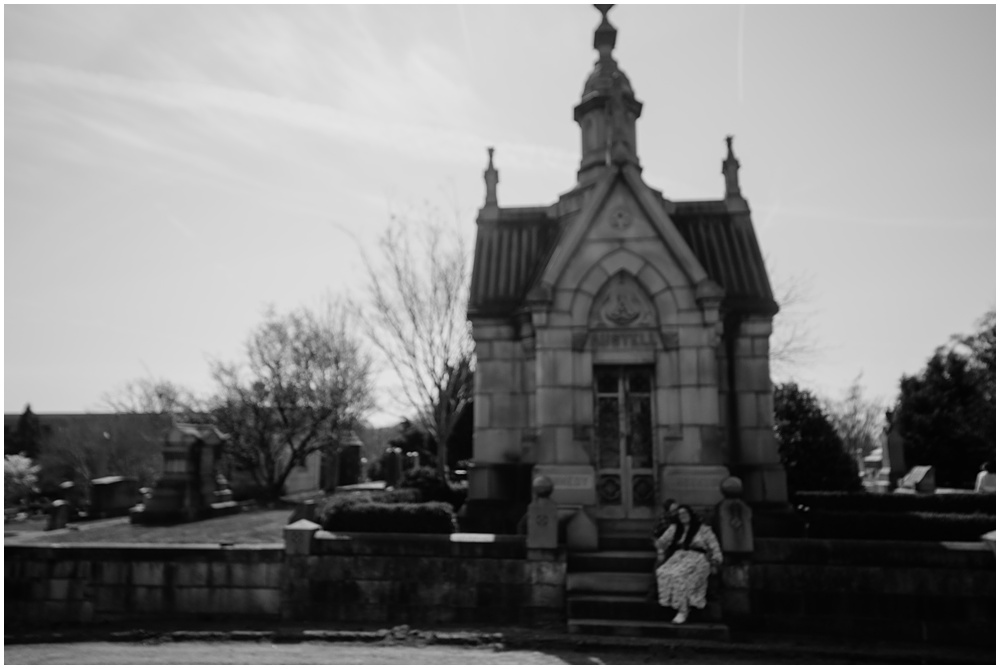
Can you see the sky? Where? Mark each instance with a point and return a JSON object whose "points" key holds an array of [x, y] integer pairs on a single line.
{"points": [[172, 170]]}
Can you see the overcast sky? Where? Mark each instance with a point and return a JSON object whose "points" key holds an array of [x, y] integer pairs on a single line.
{"points": [[171, 170]]}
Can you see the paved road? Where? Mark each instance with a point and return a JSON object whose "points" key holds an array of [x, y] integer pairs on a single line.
{"points": [[253, 652]]}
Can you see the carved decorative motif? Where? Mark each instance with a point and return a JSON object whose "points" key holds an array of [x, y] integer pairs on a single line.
{"points": [[621, 219], [622, 303], [609, 489], [643, 490]]}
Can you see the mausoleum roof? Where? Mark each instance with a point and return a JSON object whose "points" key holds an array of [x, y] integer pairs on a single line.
{"points": [[511, 251], [726, 246]]}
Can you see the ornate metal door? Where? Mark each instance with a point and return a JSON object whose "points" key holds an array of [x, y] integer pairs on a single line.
{"points": [[624, 430]]}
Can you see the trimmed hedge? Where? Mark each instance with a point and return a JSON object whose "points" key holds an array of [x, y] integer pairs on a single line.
{"points": [[950, 503], [887, 526], [433, 488], [365, 516]]}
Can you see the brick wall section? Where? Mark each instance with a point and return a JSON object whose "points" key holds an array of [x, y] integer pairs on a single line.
{"points": [[935, 592], [423, 580], [90, 583]]}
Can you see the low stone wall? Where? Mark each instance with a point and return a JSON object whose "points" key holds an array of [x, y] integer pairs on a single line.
{"points": [[424, 579], [53, 584], [938, 592], [317, 576]]}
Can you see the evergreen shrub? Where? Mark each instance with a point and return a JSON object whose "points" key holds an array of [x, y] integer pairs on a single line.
{"points": [[896, 526], [433, 487], [951, 503], [367, 516]]}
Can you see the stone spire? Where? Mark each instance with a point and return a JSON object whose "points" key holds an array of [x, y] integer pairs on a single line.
{"points": [[730, 170], [608, 110], [492, 178]]}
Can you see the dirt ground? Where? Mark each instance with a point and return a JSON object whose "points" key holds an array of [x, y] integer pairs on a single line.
{"points": [[254, 652]]}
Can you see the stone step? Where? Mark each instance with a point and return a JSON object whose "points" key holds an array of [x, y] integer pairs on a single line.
{"points": [[617, 583], [633, 607], [662, 629], [625, 542], [634, 526], [617, 561]]}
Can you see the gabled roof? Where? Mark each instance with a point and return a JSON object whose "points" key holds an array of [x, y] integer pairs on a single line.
{"points": [[726, 246], [512, 251]]}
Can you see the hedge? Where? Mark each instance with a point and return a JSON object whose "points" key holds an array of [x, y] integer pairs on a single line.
{"points": [[887, 526], [366, 516], [434, 488], [959, 503]]}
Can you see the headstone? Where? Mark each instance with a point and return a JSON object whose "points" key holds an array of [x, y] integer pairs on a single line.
{"points": [[187, 488], [304, 511], [543, 517], [350, 464], [58, 515], [919, 479], [735, 518], [893, 460], [392, 466], [113, 496], [986, 481]]}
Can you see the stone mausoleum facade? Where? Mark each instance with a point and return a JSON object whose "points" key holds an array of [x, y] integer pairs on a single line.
{"points": [[621, 337]]}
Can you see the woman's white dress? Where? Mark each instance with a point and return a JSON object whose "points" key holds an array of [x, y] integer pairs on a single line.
{"points": [[681, 581]]}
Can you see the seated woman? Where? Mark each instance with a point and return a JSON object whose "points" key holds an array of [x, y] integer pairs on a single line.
{"points": [[687, 553]]}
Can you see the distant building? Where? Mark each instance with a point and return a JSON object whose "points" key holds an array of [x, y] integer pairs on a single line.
{"points": [[621, 337]]}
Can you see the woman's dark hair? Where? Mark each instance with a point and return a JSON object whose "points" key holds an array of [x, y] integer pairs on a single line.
{"points": [[667, 503], [692, 529]]}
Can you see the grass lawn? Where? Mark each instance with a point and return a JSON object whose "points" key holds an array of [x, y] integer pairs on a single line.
{"points": [[250, 527]]}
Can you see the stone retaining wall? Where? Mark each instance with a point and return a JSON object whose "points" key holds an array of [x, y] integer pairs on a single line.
{"points": [[355, 578], [88, 583], [424, 579], [938, 592]]}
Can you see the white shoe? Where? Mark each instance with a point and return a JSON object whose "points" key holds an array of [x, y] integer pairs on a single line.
{"points": [[680, 618]]}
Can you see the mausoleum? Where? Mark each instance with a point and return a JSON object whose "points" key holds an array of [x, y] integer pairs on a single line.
{"points": [[621, 336]]}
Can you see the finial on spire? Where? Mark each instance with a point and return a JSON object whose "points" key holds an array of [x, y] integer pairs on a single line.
{"points": [[730, 170], [605, 35], [492, 178]]}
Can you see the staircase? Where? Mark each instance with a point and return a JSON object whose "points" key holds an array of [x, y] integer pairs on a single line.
{"points": [[612, 590]]}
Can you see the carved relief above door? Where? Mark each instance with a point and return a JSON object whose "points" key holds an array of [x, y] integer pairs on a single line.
{"points": [[622, 303]]}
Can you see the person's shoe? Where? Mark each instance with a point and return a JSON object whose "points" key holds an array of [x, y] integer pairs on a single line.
{"points": [[680, 618]]}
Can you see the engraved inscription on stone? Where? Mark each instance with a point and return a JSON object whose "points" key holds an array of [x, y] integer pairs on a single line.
{"points": [[576, 481], [624, 339]]}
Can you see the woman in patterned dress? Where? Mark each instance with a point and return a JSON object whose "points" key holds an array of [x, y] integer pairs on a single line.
{"points": [[687, 553]]}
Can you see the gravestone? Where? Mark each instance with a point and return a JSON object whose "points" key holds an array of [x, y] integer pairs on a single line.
{"points": [[191, 485], [392, 466], [58, 515], [893, 460], [113, 496], [350, 463], [919, 479]]}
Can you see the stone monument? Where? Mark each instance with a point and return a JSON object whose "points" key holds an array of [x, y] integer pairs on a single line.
{"points": [[191, 487]]}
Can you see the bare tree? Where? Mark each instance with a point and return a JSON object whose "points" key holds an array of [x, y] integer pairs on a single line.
{"points": [[305, 380], [859, 422], [415, 316], [151, 395], [793, 342]]}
